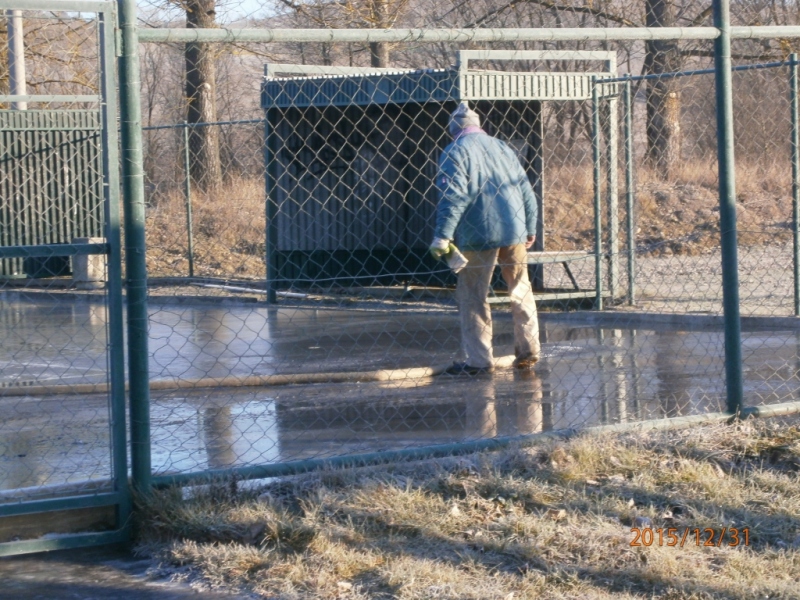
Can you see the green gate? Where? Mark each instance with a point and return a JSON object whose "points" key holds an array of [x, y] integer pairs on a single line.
{"points": [[63, 456]]}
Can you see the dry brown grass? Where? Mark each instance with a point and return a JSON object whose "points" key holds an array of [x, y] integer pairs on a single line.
{"points": [[678, 216], [546, 522], [229, 230]]}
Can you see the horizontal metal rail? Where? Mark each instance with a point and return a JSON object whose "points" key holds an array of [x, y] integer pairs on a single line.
{"points": [[57, 6], [431, 35], [182, 125], [764, 32], [47, 250], [461, 35], [49, 98], [454, 449], [678, 74], [50, 504]]}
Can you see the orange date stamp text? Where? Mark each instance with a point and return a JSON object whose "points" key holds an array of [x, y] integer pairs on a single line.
{"points": [[672, 536]]}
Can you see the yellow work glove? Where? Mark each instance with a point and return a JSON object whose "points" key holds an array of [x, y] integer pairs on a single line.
{"points": [[440, 248]]}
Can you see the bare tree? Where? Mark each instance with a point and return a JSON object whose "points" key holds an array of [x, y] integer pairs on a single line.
{"points": [[663, 96], [369, 14], [4, 74], [379, 15], [201, 93]]}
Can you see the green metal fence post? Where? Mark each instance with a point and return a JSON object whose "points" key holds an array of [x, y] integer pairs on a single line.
{"points": [[611, 118], [795, 102], [629, 192], [187, 179], [727, 206], [598, 220], [116, 326], [133, 203], [271, 215]]}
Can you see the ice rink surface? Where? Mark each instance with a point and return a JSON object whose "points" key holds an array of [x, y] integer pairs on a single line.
{"points": [[587, 376]]}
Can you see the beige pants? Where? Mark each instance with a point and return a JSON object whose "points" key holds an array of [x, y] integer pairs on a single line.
{"points": [[474, 311]]}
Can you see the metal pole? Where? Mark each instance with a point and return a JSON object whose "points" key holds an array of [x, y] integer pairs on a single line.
{"points": [[598, 222], [727, 206], [612, 194], [271, 215], [188, 192], [795, 101], [133, 205], [629, 192], [116, 324], [16, 58]]}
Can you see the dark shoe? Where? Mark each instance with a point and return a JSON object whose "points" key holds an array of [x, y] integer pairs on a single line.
{"points": [[524, 363], [465, 369]]}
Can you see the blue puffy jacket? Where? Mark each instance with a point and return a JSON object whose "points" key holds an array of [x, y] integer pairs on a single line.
{"points": [[485, 198]]}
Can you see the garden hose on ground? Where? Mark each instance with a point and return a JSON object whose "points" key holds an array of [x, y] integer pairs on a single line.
{"points": [[246, 381]]}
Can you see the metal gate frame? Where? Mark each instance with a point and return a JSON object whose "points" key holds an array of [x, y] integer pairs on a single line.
{"points": [[120, 495]]}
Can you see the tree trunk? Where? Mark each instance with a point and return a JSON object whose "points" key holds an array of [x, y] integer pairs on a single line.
{"points": [[379, 51], [663, 96], [201, 91], [379, 54]]}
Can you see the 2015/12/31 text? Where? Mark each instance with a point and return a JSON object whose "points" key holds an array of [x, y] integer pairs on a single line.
{"points": [[708, 536]]}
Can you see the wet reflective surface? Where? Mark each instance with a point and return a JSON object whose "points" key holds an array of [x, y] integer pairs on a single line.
{"points": [[587, 376]]}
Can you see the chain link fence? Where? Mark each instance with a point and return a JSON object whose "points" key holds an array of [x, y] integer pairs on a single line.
{"points": [[764, 101], [310, 257], [295, 312]]}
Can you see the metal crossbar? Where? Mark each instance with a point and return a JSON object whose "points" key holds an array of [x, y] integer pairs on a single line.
{"points": [[609, 34]]}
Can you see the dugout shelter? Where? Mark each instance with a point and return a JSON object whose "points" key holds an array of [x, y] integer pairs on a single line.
{"points": [[351, 155]]}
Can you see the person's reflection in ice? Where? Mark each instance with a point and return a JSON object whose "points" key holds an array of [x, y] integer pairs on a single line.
{"points": [[522, 413], [218, 436], [532, 414], [672, 361], [481, 408], [215, 332]]}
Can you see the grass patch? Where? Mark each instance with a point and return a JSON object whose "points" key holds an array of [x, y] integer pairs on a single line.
{"points": [[228, 228], [676, 216], [551, 521]]}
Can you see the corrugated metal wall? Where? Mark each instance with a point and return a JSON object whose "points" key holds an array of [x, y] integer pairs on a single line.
{"points": [[354, 186], [51, 182]]}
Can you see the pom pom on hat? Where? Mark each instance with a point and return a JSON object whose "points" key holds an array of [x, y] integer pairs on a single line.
{"points": [[462, 117]]}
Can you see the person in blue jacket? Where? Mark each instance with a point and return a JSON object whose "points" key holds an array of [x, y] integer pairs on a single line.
{"points": [[487, 205]]}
